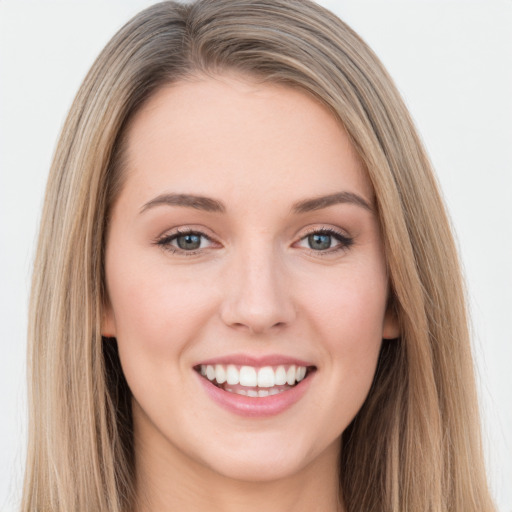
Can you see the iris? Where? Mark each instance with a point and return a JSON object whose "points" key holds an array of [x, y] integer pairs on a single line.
{"points": [[319, 241], [189, 242]]}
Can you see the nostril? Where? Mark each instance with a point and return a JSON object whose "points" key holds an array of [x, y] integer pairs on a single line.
{"points": [[257, 302]]}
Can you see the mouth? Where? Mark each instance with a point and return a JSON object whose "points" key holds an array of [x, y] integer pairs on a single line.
{"points": [[252, 381]]}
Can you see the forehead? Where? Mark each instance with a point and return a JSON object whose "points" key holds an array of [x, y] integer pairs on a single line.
{"points": [[226, 134]]}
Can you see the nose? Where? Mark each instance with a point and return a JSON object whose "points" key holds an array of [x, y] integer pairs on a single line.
{"points": [[257, 297]]}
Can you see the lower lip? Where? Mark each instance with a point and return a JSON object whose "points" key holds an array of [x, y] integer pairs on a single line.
{"points": [[256, 407]]}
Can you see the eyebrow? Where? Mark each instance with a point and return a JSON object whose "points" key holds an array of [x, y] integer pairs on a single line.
{"points": [[187, 200], [320, 202], [209, 204]]}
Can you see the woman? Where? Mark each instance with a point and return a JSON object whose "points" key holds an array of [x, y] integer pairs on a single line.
{"points": [[239, 204]]}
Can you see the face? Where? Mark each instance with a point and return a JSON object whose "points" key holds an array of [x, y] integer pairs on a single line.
{"points": [[246, 279]]}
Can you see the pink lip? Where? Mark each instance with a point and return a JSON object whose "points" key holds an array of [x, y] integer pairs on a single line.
{"points": [[257, 407], [246, 360]]}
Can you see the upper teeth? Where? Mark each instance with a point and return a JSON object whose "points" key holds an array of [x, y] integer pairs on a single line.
{"points": [[264, 377]]}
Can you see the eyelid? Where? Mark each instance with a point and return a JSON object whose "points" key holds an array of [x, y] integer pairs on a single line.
{"points": [[165, 240], [345, 240]]}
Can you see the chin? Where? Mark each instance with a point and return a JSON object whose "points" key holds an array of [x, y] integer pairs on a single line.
{"points": [[266, 460], [258, 469]]}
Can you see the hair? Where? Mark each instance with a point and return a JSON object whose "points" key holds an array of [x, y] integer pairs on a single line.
{"points": [[415, 444]]}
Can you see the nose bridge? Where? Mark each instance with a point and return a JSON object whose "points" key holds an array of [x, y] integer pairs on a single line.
{"points": [[257, 297]]}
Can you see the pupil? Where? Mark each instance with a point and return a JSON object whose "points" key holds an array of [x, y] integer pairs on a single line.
{"points": [[189, 242], [319, 241]]}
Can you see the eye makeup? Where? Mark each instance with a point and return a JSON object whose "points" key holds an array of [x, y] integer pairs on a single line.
{"points": [[320, 241], [186, 241], [317, 241]]}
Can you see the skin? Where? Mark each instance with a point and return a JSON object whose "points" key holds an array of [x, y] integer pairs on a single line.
{"points": [[255, 287]]}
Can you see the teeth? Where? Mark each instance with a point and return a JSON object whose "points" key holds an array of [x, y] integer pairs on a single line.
{"points": [[210, 372], [290, 376], [248, 376], [280, 376], [301, 373], [220, 374], [265, 377], [233, 377]]}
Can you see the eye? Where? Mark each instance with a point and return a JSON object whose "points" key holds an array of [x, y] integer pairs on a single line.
{"points": [[320, 241], [189, 242], [325, 240], [185, 241]]}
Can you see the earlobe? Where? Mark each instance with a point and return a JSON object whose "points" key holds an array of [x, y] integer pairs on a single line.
{"points": [[108, 324], [390, 326]]}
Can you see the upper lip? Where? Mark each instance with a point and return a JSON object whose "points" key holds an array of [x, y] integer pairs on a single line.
{"points": [[256, 361]]}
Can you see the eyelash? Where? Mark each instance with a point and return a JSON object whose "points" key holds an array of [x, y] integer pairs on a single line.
{"points": [[166, 240], [345, 242]]}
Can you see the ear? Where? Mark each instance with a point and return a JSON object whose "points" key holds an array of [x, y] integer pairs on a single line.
{"points": [[390, 326], [108, 322]]}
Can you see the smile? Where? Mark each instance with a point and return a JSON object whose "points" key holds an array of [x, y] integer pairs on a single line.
{"points": [[252, 381]]}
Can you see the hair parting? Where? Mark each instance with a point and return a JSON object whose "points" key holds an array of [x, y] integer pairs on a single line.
{"points": [[415, 444]]}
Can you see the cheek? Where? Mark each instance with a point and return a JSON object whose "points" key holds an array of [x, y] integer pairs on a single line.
{"points": [[346, 315], [158, 314], [354, 337], [157, 310], [350, 306]]}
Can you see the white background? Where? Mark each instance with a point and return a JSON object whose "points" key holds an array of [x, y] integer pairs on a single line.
{"points": [[452, 61]]}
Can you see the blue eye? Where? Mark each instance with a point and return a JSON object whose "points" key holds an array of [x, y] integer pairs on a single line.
{"points": [[185, 242], [320, 241], [326, 241], [188, 242]]}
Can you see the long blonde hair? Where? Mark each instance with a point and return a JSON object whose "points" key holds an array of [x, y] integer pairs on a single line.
{"points": [[415, 444]]}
